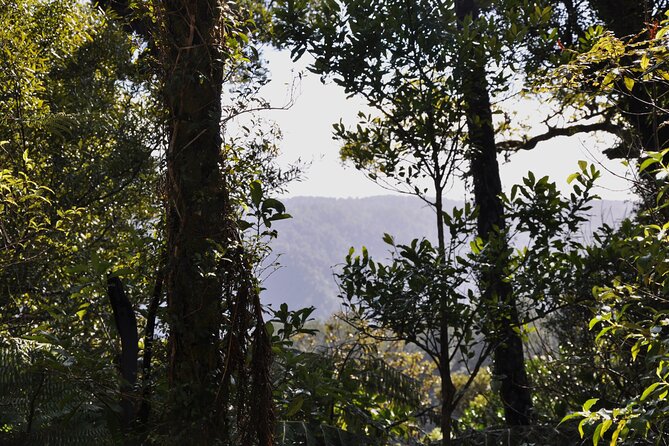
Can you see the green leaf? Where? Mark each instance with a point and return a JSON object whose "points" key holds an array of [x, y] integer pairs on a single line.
{"points": [[629, 83], [596, 435], [280, 217], [606, 424], [387, 238], [580, 427], [594, 321], [476, 245], [571, 416], [636, 348], [295, 406], [588, 404], [272, 203], [608, 79], [647, 162], [649, 390], [256, 193], [572, 177], [603, 331], [616, 433], [244, 225]]}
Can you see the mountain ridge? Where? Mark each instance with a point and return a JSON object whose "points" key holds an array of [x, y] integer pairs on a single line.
{"points": [[318, 237]]}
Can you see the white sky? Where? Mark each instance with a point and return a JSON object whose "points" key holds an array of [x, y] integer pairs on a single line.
{"points": [[307, 134]]}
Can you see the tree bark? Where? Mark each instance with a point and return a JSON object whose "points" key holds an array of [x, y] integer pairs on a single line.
{"points": [[509, 362], [196, 214]]}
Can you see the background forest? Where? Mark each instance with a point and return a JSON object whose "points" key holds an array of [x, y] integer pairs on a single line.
{"points": [[140, 226]]}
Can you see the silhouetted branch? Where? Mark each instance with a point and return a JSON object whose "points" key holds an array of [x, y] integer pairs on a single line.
{"points": [[145, 407], [531, 143], [126, 324]]}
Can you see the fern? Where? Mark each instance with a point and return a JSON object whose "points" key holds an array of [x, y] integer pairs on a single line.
{"points": [[377, 375], [42, 404]]}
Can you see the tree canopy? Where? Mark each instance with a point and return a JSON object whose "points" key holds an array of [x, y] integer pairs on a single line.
{"points": [[138, 213]]}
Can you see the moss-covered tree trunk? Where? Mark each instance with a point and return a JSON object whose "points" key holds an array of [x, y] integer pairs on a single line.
{"points": [[509, 364], [196, 215]]}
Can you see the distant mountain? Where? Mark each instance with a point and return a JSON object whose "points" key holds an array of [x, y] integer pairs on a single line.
{"points": [[316, 240]]}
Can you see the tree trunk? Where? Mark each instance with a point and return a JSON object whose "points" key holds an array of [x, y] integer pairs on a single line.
{"points": [[509, 363], [196, 215], [149, 331], [447, 387], [447, 390]]}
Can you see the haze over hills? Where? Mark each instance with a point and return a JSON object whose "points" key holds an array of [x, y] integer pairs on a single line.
{"points": [[322, 230]]}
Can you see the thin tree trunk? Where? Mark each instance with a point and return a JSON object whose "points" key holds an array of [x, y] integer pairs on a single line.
{"points": [[196, 219], [447, 387], [149, 331], [509, 363]]}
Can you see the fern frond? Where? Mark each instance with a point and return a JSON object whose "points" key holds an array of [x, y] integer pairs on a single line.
{"points": [[41, 405]]}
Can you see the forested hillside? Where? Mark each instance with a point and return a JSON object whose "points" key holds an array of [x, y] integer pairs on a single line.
{"points": [[141, 213], [312, 245]]}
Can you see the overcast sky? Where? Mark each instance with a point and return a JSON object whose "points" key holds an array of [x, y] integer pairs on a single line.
{"points": [[307, 134]]}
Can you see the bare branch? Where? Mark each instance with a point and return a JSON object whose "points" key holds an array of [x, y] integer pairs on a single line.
{"points": [[531, 143]]}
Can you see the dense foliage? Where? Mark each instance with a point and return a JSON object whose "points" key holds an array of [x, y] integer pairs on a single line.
{"points": [[137, 215]]}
